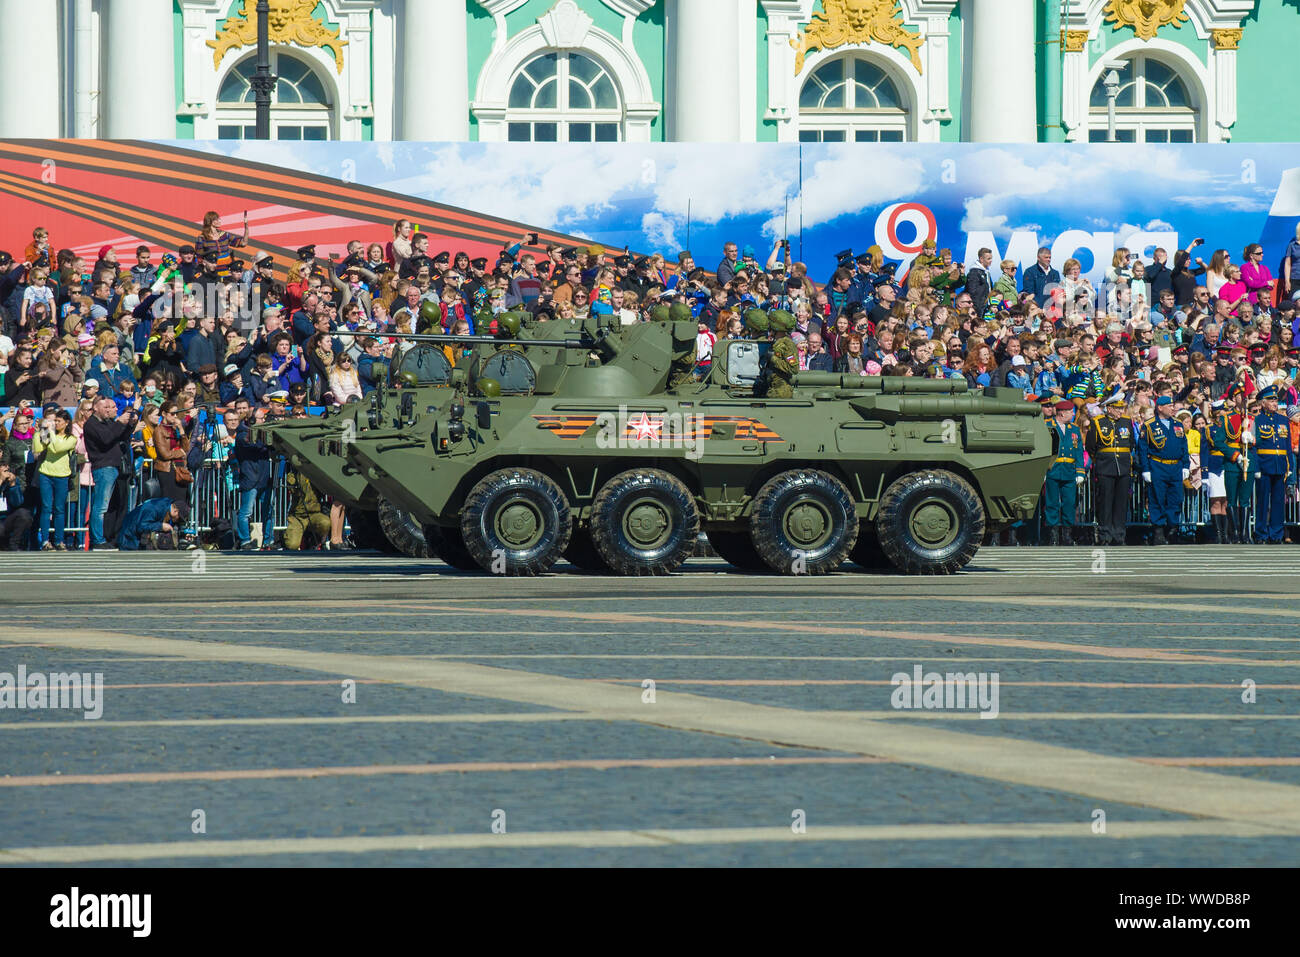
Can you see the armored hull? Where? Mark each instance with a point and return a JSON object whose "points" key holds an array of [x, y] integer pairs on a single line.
{"points": [[894, 471]]}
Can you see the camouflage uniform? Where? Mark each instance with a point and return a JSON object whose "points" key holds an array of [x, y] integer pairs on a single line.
{"points": [[783, 362], [305, 514], [683, 367]]}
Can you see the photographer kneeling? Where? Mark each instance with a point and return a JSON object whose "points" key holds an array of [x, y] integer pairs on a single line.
{"points": [[142, 522]]}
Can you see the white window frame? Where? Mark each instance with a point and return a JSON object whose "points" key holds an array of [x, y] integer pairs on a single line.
{"points": [[849, 118], [562, 115], [1140, 118], [292, 114]]}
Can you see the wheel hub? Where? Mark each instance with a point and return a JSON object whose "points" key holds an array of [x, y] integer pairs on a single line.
{"points": [[518, 524], [807, 524], [646, 524], [933, 524]]}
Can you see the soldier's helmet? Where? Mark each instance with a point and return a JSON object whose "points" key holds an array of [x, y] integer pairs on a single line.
{"points": [[756, 321], [408, 379], [489, 388], [662, 313], [431, 313], [679, 312], [781, 322], [508, 325]]}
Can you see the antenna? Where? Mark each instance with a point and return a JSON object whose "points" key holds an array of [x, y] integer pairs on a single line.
{"points": [[801, 202]]}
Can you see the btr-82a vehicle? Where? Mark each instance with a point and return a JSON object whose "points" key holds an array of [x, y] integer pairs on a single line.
{"points": [[610, 453]]}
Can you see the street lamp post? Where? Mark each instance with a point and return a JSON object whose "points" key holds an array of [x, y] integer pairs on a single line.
{"points": [[263, 79], [1111, 82]]}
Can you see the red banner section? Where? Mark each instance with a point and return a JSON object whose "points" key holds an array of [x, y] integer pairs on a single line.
{"points": [[95, 193]]}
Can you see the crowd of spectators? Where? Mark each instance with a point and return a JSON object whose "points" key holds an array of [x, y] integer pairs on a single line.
{"points": [[106, 364]]}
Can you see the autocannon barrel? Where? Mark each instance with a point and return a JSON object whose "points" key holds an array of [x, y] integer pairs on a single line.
{"points": [[886, 385], [584, 343], [930, 406]]}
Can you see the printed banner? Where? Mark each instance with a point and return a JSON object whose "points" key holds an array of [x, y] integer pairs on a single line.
{"points": [[1082, 200]]}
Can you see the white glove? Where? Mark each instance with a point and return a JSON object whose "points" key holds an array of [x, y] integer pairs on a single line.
{"points": [[1146, 477], [1248, 436], [1078, 480], [1186, 474], [1256, 475]]}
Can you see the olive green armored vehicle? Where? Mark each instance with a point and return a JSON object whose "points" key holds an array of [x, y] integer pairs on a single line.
{"points": [[616, 458]]}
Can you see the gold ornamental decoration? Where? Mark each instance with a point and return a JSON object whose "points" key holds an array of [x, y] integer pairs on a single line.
{"points": [[290, 21], [1145, 16], [857, 21], [1074, 40], [1226, 39]]}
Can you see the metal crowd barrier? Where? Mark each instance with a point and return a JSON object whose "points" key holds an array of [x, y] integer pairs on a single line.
{"points": [[1195, 512]]}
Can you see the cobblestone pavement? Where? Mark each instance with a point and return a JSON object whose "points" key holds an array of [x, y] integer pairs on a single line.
{"points": [[360, 710]]}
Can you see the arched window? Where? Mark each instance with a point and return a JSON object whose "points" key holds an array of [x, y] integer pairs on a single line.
{"points": [[564, 98], [851, 99], [1153, 105], [300, 103]]}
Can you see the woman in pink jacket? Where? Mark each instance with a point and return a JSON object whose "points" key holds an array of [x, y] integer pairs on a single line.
{"points": [[1259, 281]]}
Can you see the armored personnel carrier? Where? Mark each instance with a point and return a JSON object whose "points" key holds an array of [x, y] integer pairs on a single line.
{"points": [[618, 464]]}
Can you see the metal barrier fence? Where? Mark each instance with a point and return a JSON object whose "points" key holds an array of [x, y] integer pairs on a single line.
{"points": [[214, 496]]}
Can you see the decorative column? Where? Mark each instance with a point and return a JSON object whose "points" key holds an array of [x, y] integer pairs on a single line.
{"points": [[1003, 99], [360, 107], [434, 45], [783, 20], [1074, 85], [1225, 80], [705, 39], [139, 98], [30, 63]]}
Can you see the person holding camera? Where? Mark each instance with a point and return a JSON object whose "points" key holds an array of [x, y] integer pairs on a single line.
{"points": [[104, 436], [53, 446]]}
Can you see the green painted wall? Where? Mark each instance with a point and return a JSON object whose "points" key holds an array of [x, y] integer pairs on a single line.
{"points": [[766, 129], [1040, 68], [1265, 58], [479, 29], [648, 40], [950, 132]]}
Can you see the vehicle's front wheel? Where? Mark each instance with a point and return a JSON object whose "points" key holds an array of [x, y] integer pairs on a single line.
{"points": [[402, 530], [804, 523], [516, 521], [930, 523], [644, 522]]}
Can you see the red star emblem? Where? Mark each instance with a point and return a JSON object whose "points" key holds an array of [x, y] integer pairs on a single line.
{"points": [[645, 427]]}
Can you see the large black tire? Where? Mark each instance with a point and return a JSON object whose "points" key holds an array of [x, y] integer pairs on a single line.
{"points": [[930, 523], [736, 549], [582, 552], [644, 522], [518, 520], [449, 547], [867, 552], [367, 533], [402, 530], [804, 523]]}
